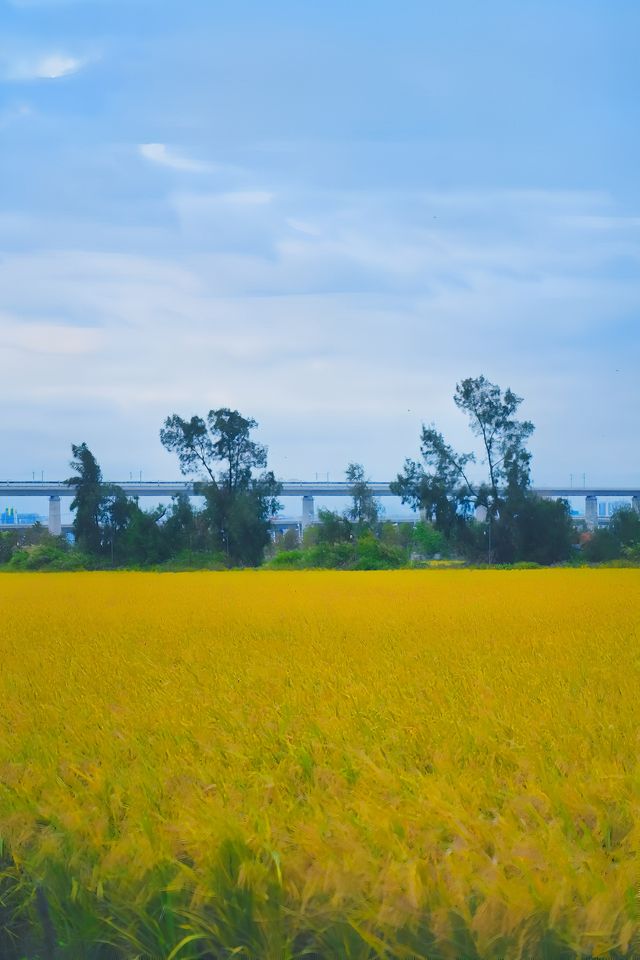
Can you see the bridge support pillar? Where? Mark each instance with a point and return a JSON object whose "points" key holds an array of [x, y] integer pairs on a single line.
{"points": [[55, 524], [308, 510], [591, 511], [635, 504]]}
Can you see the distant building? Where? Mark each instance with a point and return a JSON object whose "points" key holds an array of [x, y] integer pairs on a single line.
{"points": [[29, 519], [10, 517], [607, 508]]}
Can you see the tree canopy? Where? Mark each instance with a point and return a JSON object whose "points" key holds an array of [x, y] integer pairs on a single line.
{"points": [[476, 504], [219, 450], [88, 501], [365, 508], [447, 486]]}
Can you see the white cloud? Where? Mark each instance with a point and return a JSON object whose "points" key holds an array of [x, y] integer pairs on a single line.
{"points": [[57, 339], [302, 226], [50, 66], [165, 156], [334, 334]]}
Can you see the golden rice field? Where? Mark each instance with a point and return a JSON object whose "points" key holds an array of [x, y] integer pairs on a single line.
{"points": [[412, 764]]}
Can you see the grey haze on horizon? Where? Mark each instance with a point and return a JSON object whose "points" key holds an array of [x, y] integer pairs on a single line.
{"points": [[324, 217]]}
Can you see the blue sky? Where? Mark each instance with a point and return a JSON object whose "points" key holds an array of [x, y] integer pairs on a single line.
{"points": [[323, 214]]}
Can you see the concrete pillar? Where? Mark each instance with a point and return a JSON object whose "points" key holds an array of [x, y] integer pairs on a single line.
{"points": [[308, 510], [635, 504], [55, 524], [591, 511]]}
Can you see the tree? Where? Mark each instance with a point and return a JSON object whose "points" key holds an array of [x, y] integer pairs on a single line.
{"points": [[427, 540], [331, 528], [620, 539], [492, 419], [533, 529], [223, 438], [239, 518], [238, 505], [9, 542], [183, 529], [443, 488], [88, 503], [107, 523], [365, 508], [625, 527], [114, 518], [445, 491], [603, 545], [141, 540], [190, 441]]}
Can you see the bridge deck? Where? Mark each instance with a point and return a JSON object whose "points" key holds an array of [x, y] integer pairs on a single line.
{"points": [[290, 488]]}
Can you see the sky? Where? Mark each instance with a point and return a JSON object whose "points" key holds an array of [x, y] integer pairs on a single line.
{"points": [[323, 215]]}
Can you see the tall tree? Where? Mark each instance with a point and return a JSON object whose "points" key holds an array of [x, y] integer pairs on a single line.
{"points": [[223, 438], [88, 502], [191, 442], [365, 508], [233, 447], [108, 524], [219, 450], [492, 419], [445, 490], [520, 526]]}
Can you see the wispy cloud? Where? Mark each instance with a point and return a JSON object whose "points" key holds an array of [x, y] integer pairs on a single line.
{"points": [[50, 66], [14, 113], [166, 156], [27, 338]]}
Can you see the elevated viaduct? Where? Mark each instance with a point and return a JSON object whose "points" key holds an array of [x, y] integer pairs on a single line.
{"points": [[307, 490]]}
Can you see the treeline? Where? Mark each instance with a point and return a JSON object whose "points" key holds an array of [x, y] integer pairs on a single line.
{"points": [[497, 519]]}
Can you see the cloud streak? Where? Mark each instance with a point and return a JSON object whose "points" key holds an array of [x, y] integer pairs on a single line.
{"points": [[164, 156], [49, 66], [26, 340]]}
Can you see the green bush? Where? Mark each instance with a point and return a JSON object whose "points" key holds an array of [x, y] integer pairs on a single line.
{"points": [[428, 541], [48, 556], [396, 535], [287, 560], [602, 546], [8, 543], [367, 553], [632, 554], [194, 560], [371, 554], [330, 556]]}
